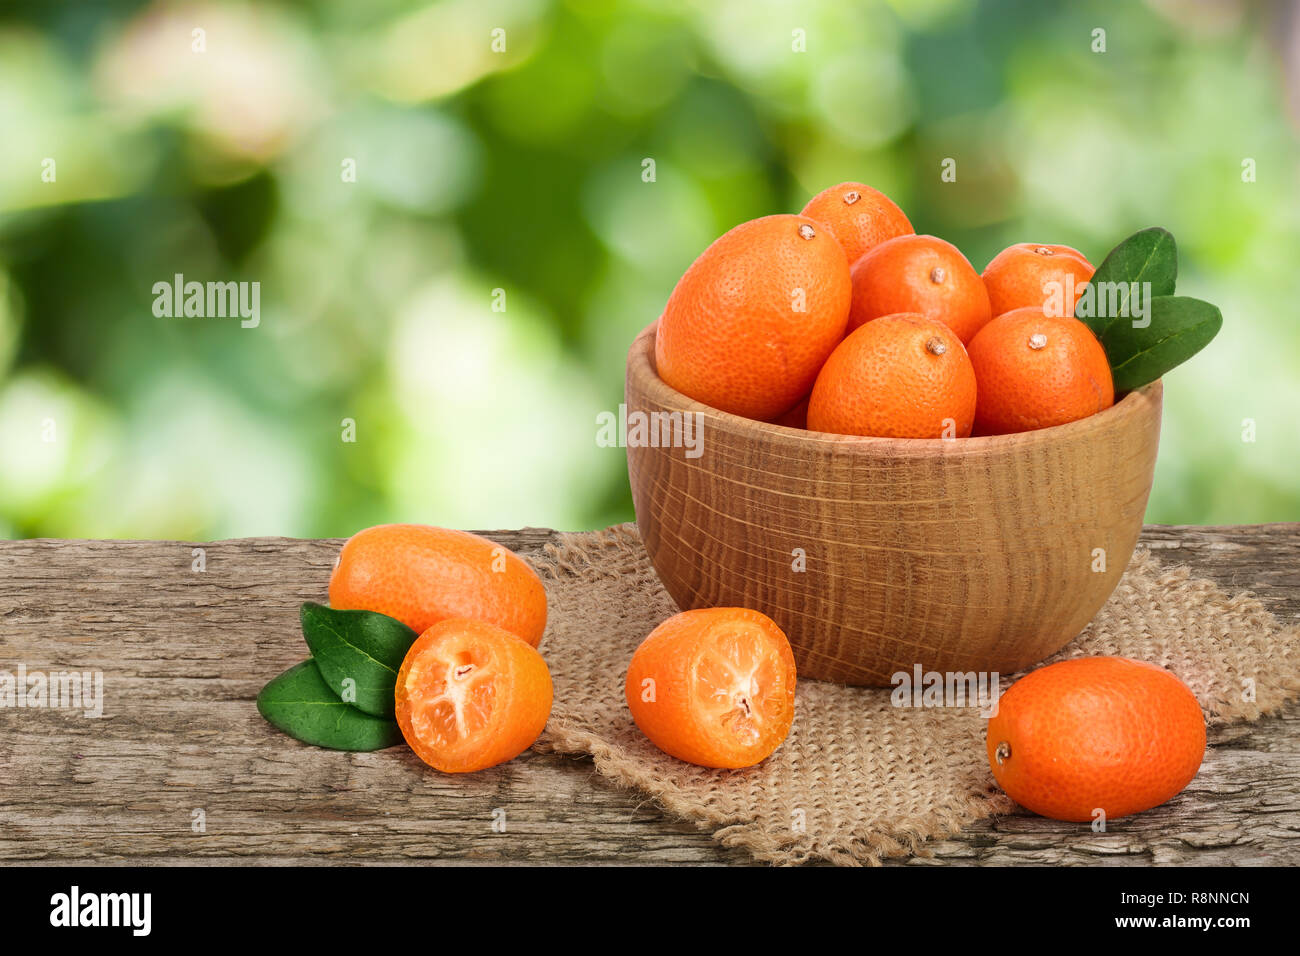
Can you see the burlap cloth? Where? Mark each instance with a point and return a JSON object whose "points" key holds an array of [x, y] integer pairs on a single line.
{"points": [[859, 779]]}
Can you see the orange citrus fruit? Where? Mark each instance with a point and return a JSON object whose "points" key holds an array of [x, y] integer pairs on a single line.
{"points": [[714, 687], [858, 216], [1095, 733], [919, 274], [754, 317], [1021, 275], [421, 575], [1035, 371], [898, 376], [470, 695]]}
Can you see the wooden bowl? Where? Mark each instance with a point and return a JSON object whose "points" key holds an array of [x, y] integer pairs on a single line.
{"points": [[975, 554]]}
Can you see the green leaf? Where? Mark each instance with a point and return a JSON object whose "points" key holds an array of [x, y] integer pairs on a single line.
{"points": [[359, 654], [1148, 256], [301, 704], [1179, 328]]}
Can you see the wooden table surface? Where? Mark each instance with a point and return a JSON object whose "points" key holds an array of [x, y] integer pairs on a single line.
{"points": [[182, 769]]}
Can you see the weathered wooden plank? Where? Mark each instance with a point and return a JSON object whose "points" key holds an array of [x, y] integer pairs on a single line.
{"points": [[184, 653]]}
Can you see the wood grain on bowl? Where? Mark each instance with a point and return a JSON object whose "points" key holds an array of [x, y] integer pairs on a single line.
{"points": [[876, 555]]}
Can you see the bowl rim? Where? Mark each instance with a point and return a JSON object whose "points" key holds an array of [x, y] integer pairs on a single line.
{"points": [[641, 368]]}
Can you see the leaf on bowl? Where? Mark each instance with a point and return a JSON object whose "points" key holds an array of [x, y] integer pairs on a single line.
{"points": [[301, 704], [1179, 328], [1148, 256], [359, 654]]}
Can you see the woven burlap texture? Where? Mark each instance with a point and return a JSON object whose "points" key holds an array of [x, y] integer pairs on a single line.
{"points": [[858, 779]]}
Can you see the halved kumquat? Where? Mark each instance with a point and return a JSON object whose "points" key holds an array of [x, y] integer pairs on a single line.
{"points": [[471, 695], [714, 687]]}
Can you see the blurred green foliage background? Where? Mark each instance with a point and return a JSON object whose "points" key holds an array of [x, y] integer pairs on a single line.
{"points": [[488, 176]]}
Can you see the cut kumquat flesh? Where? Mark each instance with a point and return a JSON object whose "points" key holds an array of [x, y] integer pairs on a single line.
{"points": [[471, 695], [714, 687]]}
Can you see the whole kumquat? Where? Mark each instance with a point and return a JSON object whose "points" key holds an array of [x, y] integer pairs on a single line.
{"points": [[1095, 734], [858, 216], [755, 316], [421, 575], [1036, 274], [1035, 371], [898, 376], [920, 274]]}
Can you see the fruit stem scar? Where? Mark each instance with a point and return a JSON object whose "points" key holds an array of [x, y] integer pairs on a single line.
{"points": [[1003, 753], [937, 274], [936, 346], [807, 231], [1044, 251], [1038, 341], [851, 197]]}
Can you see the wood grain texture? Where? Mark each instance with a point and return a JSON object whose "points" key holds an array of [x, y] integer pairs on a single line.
{"points": [[184, 654], [972, 554]]}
